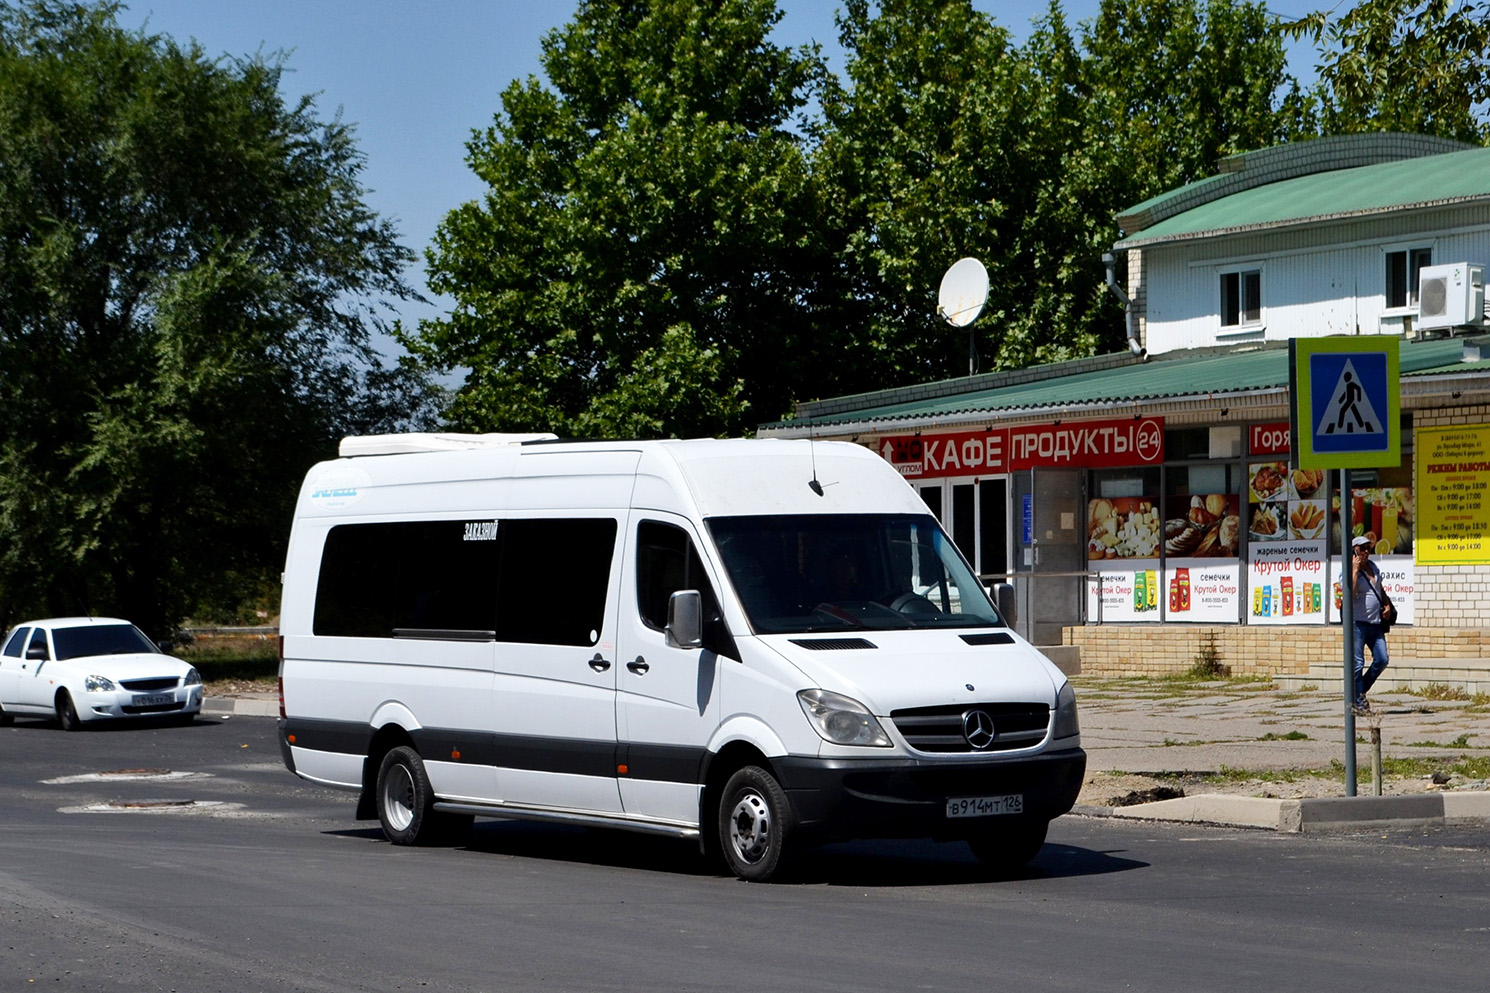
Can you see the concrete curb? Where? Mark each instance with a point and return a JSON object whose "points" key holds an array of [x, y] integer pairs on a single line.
{"points": [[1315, 815], [240, 706]]}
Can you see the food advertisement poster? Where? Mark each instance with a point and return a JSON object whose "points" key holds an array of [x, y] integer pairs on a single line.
{"points": [[1287, 580], [1202, 535], [1124, 591], [1123, 536], [1383, 514], [1202, 591], [1397, 577], [1453, 477]]}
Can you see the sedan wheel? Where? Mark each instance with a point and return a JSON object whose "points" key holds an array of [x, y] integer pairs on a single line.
{"points": [[67, 714]]}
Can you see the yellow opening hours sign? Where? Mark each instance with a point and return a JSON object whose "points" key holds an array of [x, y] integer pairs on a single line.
{"points": [[1453, 495]]}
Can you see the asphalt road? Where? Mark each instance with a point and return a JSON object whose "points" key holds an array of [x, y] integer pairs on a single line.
{"points": [[278, 888]]}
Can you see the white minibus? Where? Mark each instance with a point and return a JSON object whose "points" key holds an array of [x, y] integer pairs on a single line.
{"points": [[754, 644]]}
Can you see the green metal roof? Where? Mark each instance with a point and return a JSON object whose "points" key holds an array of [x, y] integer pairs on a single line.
{"points": [[1433, 180], [1176, 375]]}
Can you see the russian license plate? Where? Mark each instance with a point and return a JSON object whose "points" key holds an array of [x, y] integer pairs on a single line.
{"points": [[152, 699], [985, 806]]}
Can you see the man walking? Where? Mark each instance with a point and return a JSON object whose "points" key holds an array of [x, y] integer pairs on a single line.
{"points": [[1367, 598]]}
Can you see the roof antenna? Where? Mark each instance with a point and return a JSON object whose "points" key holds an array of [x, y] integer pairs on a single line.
{"points": [[813, 484]]}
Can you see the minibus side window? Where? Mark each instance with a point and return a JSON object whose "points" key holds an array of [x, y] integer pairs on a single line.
{"points": [[553, 579], [408, 578], [666, 562]]}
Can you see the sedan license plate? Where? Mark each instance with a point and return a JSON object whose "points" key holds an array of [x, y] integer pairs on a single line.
{"points": [[152, 699], [985, 806]]}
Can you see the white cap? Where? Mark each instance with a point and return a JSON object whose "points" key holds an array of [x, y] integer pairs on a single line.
{"points": [[1361, 540]]}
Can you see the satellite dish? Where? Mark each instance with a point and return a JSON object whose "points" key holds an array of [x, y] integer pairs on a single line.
{"points": [[964, 292]]}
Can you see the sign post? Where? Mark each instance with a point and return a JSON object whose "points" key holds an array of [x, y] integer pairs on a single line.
{"points": [[1346, 415]]}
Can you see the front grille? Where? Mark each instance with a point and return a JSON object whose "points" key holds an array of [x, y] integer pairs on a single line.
{"points": [[833, 644], [939, 729], [145, 685]]}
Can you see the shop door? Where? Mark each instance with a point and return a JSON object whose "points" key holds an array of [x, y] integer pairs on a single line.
{"points": [[1051, 552]]}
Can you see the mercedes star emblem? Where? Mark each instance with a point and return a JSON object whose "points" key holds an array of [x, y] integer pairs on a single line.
{"points": [[977, 728]]}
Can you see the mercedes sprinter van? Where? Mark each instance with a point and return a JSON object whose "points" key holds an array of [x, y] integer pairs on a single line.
{"points": [[757, 644]]}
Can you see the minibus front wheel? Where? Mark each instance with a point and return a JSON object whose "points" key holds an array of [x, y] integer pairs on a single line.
{"points": [[755, 824]]}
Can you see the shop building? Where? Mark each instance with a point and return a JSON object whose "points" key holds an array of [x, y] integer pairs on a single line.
{"points": [[1143, 504]]}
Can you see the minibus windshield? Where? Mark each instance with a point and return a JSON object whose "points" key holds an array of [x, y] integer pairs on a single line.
{"points": [[837, 572]]}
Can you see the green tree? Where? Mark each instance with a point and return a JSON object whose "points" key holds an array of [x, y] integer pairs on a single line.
{"points": [[946, 141], [646, 257], [917, 160], [188, 282], [1403, 65]]}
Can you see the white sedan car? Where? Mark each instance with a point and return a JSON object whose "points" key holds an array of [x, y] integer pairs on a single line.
{"points": [[83, 669]]}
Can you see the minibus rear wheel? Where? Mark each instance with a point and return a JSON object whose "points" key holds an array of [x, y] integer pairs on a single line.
{"points": [[1011, 846], [405, 799], [755, 825]]}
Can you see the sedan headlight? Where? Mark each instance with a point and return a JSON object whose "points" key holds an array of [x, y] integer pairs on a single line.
{"points": [[842, 720], [193, 678], [1066, 725], [99, 684]]}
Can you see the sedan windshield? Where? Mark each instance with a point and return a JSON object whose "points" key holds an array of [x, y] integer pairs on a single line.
{"points": [[100, 639], [820, 572]]}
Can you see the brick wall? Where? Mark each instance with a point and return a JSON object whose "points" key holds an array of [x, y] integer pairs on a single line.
{"points": [[1450, 596], [1152, 650]]}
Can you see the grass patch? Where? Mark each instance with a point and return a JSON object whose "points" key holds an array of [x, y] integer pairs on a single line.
{"points": [[1207, 663], [1465, 766], [1460, 742], [1227, 774], [1290, 736], [1441, 691], [239, 658]]}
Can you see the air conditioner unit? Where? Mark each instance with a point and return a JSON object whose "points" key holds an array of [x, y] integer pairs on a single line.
{"points": [[1451, 295]]}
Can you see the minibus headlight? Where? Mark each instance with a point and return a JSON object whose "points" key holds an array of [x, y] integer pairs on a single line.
{"points": [[98, 684], [1066, 725], [842, 720]]}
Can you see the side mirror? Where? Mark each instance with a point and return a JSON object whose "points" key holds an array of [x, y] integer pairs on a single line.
{"points": [[36, 653], [1003, 599], [685, 619]]}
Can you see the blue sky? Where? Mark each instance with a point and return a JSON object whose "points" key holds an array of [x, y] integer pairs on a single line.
{"points": [[416, 77]]}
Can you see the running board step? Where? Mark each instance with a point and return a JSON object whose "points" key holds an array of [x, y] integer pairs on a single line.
{"points": [[508, 812]]}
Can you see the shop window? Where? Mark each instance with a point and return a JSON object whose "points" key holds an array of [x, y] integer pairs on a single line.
{"points": [[1187, 443], [1402, 275], [1241, 298], [1202, 511]]}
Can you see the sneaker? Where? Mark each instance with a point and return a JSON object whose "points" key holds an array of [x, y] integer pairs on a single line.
{"points": [[1362, 706]]}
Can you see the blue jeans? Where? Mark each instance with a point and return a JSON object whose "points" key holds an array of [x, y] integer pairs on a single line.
{"points": [[1372, 634]]}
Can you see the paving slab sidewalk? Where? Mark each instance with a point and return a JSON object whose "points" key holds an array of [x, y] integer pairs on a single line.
{"points": [[1185, 732]]}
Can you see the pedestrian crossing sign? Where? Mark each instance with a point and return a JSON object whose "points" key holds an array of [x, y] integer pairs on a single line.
{"points": [[1346, 401]]}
